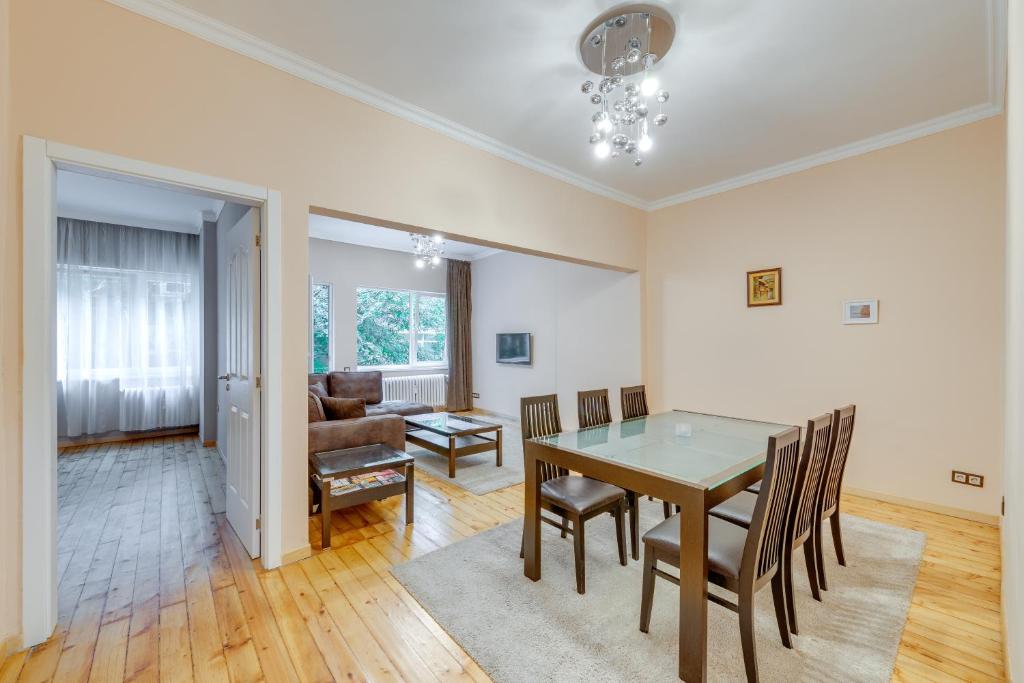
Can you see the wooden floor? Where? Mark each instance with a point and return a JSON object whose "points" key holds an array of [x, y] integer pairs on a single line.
{"points": [[155, 586]]}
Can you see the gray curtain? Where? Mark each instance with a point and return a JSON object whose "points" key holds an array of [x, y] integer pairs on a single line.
{"points": [[460, 336]]}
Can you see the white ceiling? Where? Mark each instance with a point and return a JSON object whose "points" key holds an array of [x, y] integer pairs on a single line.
{"points": [[759, 87], [338, 230], [120, 202]]}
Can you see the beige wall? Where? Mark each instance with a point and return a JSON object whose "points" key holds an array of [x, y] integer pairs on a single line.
{"points": [[10, 258], [918, 226], [90, 74], [1013, 522]]}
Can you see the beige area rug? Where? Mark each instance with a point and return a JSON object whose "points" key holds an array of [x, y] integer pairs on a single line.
{"points": [[519, 630], [477, 473]]}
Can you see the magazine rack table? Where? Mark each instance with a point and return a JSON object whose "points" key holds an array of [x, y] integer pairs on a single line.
{"points": [[328, 466]]}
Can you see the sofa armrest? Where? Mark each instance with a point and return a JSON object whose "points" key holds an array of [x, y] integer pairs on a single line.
{"points": [[361, 431]]}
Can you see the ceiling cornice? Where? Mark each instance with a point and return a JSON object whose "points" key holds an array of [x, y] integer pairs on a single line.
{"points": [[216, 32], [236, 40], [853, 149]]}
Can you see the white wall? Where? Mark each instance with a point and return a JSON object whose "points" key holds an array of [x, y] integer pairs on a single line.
{"points": [[585, 324], [1013, 522], [347, 267]]}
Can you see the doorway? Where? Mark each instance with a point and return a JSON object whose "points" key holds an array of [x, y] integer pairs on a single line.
{"points": [[253, 350]]}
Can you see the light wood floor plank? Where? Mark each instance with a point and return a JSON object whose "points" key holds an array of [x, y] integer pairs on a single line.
{"points": [[155, 586]]}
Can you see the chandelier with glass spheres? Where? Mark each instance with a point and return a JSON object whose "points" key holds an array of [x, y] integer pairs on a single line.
{"points": [[427, 249], [622, 48]]}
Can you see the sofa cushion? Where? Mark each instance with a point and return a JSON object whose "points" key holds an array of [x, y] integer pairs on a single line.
{"points": [[366, 384], [317, 378], [319, 389], [398, 408], [343, 408], [330, 435], [316, 409]]}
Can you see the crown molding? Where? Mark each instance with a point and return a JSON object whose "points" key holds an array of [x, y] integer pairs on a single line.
{"points": [[211, 30], [896, 137], [236, 40]]}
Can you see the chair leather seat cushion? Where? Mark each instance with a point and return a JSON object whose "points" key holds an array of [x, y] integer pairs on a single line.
{"points": [[579, 494], [755, 487], [725, 543], [739, 509]]}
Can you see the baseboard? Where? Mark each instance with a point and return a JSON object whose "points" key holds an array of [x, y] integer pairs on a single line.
{"points": [[212, 443], [495, 413], [119, 437], [297, 554], [981, 517]]}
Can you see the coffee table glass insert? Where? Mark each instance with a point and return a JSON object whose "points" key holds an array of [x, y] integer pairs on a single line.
{"points": [[453, 436]]}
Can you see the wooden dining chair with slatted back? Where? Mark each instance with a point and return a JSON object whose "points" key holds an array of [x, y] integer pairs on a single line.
{"points": [[740, 560], [594, 410], [575, 499], [800, 525], [832, 487], [634, 402], [634, 405]]}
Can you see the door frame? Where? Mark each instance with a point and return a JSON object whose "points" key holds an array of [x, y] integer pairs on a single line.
{"points": [[40, 161]]}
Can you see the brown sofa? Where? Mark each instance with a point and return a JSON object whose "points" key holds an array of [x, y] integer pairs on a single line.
{"points": [[383, 423]]}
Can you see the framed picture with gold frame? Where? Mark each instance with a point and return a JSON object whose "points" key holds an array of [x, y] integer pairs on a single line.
{"points": [[764, 287]]}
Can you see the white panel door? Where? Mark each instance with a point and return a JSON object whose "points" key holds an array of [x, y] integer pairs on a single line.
{"points": [[238, 255]]}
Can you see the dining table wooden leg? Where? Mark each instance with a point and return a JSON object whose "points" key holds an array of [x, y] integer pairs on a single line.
{"points": [[531, 517], [693, 588]]}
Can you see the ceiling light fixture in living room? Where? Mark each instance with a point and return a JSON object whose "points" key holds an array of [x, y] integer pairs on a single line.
{"points": [[622, 47], [427, 249]]}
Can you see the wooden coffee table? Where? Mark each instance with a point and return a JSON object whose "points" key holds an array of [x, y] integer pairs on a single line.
{"points": [[453, 436], [348, 462]]}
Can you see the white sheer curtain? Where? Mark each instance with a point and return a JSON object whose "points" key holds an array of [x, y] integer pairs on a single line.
{"points": [[128, 328]]}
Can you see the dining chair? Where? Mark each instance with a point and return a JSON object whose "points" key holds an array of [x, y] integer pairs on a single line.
{"points": [[740, 560], [832, 486], [634, 405], [634, 402], [800, 522], [575, 499], [594, 410]]}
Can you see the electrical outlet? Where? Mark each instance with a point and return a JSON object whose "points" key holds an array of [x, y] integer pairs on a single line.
{"points": [[968, 479]]}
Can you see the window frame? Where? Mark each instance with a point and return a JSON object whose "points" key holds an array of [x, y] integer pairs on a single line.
{"points": [[330, 325], [413, 330]]}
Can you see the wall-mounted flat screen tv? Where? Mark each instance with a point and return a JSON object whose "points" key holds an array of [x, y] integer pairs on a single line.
{"points": [[515, 348]]}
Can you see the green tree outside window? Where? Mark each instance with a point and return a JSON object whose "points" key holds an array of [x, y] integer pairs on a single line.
{"points": [[321, 296], [395, 327]]}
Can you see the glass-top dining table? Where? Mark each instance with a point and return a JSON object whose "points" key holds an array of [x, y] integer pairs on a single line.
{"points": [[691, 459]]}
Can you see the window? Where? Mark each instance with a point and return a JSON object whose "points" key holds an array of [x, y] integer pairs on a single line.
{"points": [[320, 320], [398, 328]]}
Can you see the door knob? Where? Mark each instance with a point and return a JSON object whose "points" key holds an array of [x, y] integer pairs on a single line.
{"points": [[224, 377]]}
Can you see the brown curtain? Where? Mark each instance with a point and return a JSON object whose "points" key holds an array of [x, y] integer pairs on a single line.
{"points": [[460, 336]]}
